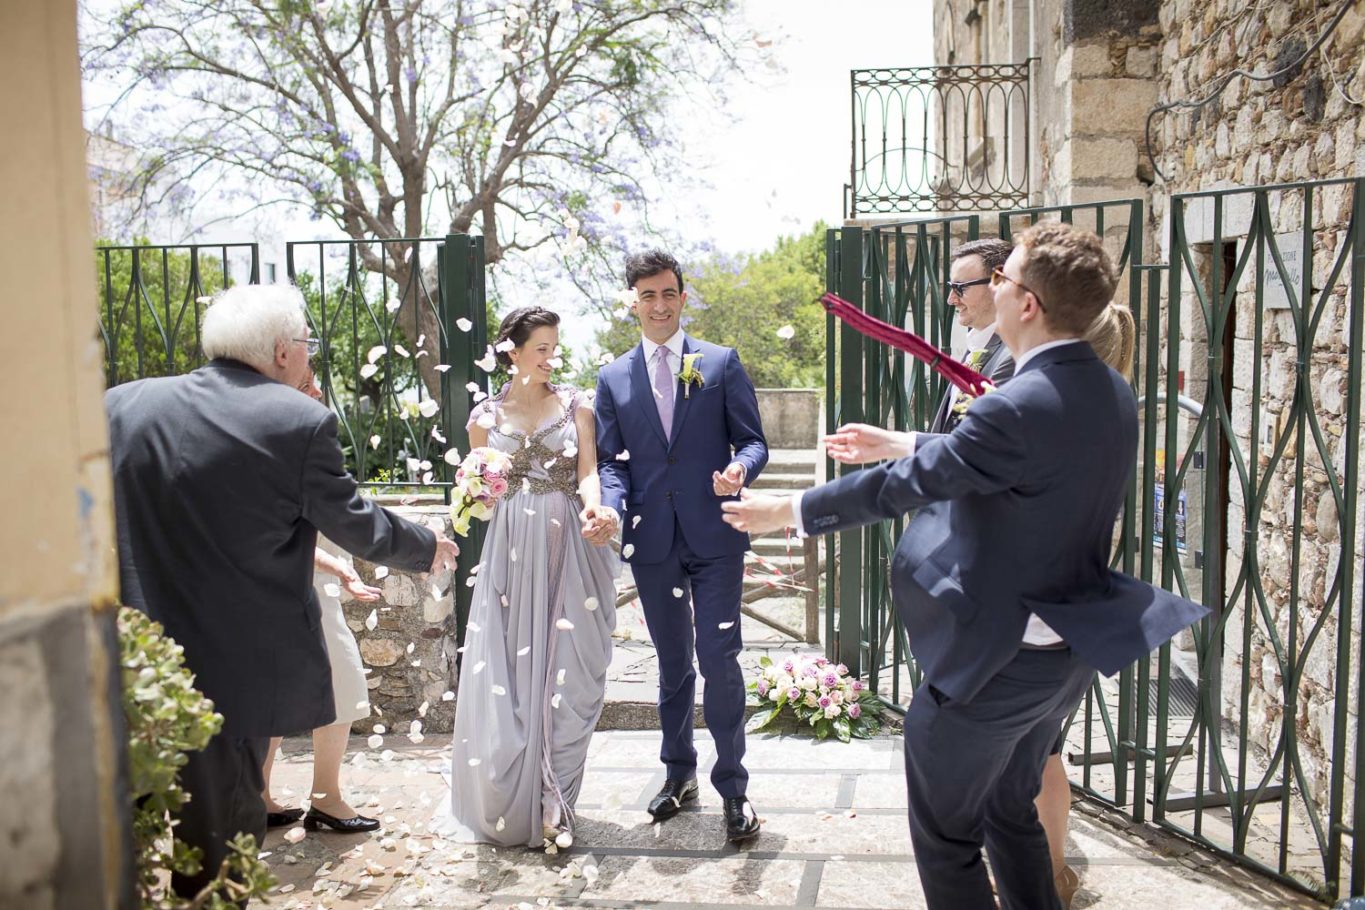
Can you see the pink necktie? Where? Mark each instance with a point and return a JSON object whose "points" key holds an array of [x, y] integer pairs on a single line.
{"points": [[663, 390]]}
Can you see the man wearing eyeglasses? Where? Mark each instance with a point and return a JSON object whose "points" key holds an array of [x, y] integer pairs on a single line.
{"points": [[969, 292], [1001, 579], [223, 478]]}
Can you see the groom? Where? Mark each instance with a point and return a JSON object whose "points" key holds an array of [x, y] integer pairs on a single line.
{"points": [[678, 428], [1002, 579]]}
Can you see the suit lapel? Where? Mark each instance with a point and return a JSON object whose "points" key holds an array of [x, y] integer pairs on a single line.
{"points": [[643, 391], [680, 400]]}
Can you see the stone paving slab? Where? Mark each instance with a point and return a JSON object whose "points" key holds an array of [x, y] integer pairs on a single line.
{"points": [[834, 835]]}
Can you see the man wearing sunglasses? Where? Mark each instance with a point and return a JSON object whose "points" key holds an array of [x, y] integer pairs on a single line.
{"points": [[1001, 579], [968, 290]]}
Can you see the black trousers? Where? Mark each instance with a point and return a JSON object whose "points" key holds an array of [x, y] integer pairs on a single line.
{"points": [[972, 772], [224, 782]]}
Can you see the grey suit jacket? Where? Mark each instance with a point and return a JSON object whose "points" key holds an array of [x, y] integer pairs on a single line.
{"points": [[222, 480], [998, 368], [1016, 516]]}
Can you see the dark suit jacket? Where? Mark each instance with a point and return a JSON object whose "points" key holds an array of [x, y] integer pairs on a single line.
{"points": [[668, 477], [1016, 516], [222, 480], [998, 368]]}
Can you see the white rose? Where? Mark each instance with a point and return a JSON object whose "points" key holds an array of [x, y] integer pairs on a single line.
{"points": [[808, 683], [837, 697], [812, 701], [833, 711]]}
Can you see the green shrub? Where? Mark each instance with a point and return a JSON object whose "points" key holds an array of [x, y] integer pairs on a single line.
{"points": [[167, 717]]}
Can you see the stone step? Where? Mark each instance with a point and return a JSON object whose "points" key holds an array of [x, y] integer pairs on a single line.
{"points": [[783, 482]]}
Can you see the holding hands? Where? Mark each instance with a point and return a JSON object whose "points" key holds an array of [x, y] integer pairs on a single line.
{"points": [[599, 524], [859, 443]]}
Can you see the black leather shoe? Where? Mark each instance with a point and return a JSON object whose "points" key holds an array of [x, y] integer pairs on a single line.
{"points": [[741, 821], [282, 818], [354, 825], [671, 797]]}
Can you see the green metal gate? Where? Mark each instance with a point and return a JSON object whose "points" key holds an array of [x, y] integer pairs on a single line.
{"points": [[1243, 733]]}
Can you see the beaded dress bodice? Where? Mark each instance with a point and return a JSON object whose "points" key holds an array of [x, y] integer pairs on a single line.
{"points": [[545, 461]]}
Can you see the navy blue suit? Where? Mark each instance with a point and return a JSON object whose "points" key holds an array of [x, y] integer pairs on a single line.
{"points": [[1016, 511], [676, 540]]}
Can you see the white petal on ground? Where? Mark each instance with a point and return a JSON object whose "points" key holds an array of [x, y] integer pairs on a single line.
{"points": [[447, 695], [563, 624], [375, 741], [294, 835], [422, 708], [379, 728]]}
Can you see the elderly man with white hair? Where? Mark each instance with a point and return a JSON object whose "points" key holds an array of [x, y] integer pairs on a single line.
{"points": [[223, 478]]}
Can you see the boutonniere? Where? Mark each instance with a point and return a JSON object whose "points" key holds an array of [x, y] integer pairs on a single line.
{"points": [[965, 401], [689, 375]]}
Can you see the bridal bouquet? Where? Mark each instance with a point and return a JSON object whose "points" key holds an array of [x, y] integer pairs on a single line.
{"points": [[480, 481], [817, 693]]}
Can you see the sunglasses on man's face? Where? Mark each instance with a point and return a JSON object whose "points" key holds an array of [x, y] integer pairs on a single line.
{"points": [[998, 277], [960, 287]]}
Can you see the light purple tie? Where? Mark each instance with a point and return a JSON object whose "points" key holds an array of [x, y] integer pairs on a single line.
{"points": [[663, 390]]}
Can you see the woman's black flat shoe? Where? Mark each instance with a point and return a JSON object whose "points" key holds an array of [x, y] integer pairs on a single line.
{"points": [[353, 825], [282, 818]]}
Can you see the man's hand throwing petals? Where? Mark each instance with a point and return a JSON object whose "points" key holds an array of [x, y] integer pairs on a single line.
{"points": [[758, 513], [730, 481]]}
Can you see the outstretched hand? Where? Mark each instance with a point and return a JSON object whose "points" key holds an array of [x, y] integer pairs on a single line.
{"points": [[859, 443], [757, 513], [599, 524], [730, 481], [446, 551], [353, 583]]}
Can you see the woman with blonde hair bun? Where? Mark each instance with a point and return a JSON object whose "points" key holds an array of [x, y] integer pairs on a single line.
{"points": [[1113, 335]]}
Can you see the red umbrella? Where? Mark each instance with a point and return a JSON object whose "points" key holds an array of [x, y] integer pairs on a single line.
{"points": [[955, 371]]}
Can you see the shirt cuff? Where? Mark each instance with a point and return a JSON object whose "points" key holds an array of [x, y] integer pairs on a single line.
{"points": [[796, 514], [910, 444]]}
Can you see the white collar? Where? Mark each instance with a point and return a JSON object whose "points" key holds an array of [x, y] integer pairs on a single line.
{"points": [[1031, 352], [674, 345], [979, 338]]}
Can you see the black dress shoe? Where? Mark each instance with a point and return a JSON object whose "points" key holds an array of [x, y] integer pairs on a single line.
{"points": [[671, 796], [741, 821], [353, 825], [282, 818]]}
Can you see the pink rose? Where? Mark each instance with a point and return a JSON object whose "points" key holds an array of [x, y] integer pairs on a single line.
{"points": [[855, 710], [498, 486]]}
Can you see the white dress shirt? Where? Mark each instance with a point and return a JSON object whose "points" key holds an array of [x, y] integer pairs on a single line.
{"points": [[1036, 632], [976, 340]]}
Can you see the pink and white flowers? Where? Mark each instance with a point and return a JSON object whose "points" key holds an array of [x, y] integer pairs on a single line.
{"points": [[480, 481], [817, 693]]}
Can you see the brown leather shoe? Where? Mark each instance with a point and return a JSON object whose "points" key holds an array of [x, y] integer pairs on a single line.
{"points": [[1067, 882]]}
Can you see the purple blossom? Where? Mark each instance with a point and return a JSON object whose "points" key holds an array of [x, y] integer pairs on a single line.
{"points": [[793, 694], [350, 155], [788, 666], [855, 710], [858, 685], [830, 680], [826, 701], [411, 74]]}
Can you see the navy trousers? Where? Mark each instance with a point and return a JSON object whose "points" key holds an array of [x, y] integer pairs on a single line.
{"points": [[711, 589], [972, 771], [224, 781]]}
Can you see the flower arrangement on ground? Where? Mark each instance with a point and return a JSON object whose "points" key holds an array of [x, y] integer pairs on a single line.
{"points": [[480, 481], [818, 694]]}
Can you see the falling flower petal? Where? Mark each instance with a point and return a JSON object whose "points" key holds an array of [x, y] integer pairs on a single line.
{"points": [[381, 572], [628, 550], [368, 370], [555, 702], [512, 554], [624, 456], [677, 592], [635, 522], [429, 407], [472, 387], [559, 677], [505, 345], [475, 762], [464, 325], [726, 625], [478, 667], [502, 823], [786, 333], [524, 651], [563, 624], [375, 353], [331, 590], [393, 304], [499, 690], [374, 442], [372, 621], [452, 456], [441, 367], [375, 741], [590, 604], [401, 351], [436, 435]]}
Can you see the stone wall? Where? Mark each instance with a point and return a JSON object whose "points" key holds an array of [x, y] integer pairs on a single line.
{"points": [[1103, 66]]}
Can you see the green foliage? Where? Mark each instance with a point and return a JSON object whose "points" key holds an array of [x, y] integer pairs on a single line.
{"points": [[149, 309], [742, 302], [167, 717]]}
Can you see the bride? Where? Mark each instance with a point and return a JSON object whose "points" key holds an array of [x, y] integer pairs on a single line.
{"points": [[538, 640]]}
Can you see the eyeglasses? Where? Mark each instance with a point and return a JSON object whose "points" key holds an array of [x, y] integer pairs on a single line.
{"points": [[960, 287], [998, 276], [313, 344]]}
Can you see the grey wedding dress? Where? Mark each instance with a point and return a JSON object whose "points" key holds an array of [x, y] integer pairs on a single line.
{"points": [[537, 647]]}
